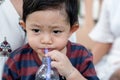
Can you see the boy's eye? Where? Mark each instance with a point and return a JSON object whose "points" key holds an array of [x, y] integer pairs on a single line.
{"points": [[57, 31], [35, 30]]}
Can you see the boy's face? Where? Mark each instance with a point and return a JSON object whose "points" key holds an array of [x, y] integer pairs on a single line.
{"points": [[48, 29]]}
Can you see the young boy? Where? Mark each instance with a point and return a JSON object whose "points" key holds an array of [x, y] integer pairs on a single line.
{"points": [[49, 24]]}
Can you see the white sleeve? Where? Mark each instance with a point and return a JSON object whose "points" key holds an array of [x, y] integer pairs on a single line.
{"points": [[102, 32], [73, 37]]}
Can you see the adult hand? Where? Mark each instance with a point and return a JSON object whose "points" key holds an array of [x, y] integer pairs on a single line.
{"points": [[115, 75]]}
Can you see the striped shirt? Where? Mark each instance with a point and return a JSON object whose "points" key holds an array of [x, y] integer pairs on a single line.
{"points": [[23, 63]]}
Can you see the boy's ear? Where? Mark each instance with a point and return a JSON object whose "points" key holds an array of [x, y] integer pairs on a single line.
{"points": [[74, 28], [22, 23]]}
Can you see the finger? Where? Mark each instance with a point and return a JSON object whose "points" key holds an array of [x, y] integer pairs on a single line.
{"points": [[56, 65], [54, 55], [60, 67]]}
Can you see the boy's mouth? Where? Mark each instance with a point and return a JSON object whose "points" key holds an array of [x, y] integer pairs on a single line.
{"points": [[49, 49]]}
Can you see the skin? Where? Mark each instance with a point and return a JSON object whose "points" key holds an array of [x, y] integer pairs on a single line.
{"points": [[115, 75], [18, 6], [99, 50], [50, 29]]}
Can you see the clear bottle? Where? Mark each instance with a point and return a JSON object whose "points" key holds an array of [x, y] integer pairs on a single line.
{"points": [[45, 72]]}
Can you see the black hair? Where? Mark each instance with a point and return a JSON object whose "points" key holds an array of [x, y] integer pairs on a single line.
{"points": [[71, 8]]}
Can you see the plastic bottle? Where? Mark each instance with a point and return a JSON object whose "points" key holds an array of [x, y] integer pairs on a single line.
{"points": [[45, 72]]}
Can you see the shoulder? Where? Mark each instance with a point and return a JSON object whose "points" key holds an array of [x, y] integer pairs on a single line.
{"points": [[76, 46], [25, 49], [78, 49]]}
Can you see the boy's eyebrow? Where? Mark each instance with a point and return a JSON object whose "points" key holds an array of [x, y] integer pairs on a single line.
{"points": [[35, 25], [53, 26], [56, 26]]}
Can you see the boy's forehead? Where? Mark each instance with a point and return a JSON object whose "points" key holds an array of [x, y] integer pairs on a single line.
{"points": [[52, 17], [60, 12]]}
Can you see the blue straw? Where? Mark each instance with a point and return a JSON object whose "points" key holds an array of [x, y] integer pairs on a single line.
{"points": [[48, 76]]}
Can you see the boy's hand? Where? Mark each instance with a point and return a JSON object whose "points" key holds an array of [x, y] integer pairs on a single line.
{"points": [[61, 62]]}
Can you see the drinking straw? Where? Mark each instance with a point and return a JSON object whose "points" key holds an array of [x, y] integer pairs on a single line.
{"points": [[48, 76]]}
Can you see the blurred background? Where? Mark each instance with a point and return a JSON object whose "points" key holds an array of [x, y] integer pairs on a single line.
{"points": [[88, 17]]}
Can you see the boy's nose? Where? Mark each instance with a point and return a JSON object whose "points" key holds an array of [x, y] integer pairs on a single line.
{"points": [[46, 39]]}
